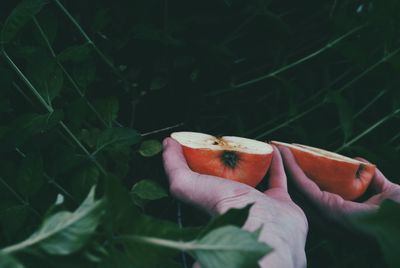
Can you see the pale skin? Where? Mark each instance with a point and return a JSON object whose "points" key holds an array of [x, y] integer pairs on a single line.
{"points": [[284, 225], [332, 205]]}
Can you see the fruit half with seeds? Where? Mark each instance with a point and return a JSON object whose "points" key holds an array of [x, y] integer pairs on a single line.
{"points": [[239, 159], [333, 172]]}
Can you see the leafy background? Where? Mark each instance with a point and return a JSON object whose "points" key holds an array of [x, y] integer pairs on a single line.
{"points": [[90, 88]]}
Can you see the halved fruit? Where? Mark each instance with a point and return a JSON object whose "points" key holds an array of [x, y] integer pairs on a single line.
{"points": [[333, 172], [239, 159]]}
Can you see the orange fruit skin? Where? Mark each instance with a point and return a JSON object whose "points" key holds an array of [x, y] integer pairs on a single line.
{"points": [[250, 168], [335, 176]]}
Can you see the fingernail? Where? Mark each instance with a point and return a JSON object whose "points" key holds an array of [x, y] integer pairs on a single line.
{"points": [[165, 142]]}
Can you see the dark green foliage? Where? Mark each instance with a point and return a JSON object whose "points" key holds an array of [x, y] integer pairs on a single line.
{"points": [[89, 89]]}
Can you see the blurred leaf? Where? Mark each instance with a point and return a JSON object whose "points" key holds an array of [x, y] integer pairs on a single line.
{"points": [[150, 148], [345, 113], [28, 125], [146, 190], [158, 83], [384, 226], [46, 76], [49, 24], [84, 73], [7, 261], [121, 213], [151, 255], [84, 179], [234, 216], [101, 19], [119, 161], [229, 247], [13, 219], [117, 259], [151, 33], [21, 14], [77, 53], [6, 79], [30, 175], [65, 232], [116, 139], [108, 109]]}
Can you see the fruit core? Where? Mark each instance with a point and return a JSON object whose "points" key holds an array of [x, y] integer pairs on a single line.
{"points": [[230, 158]]}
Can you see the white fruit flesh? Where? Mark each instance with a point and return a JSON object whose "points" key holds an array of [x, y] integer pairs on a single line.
{"points": [[319, 152], [204, 141]]}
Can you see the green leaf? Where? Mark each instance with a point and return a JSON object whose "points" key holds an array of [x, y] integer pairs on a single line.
{"points": [[65, 232], [45, 75], [384, 226], [84, 73], [7, 261], [77, 53], [229, 247], [150, 148], [121, 213], [108, 109], [13, 221], [116, 139], [146, 190], [101, 19], [21, 14], [28, 125], [235, 216], [48, 21], [30, 175], [83, 180], [152, 255]]}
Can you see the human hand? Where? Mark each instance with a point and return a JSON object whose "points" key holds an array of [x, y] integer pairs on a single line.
{"points": [[333, 205], [284, 225]]}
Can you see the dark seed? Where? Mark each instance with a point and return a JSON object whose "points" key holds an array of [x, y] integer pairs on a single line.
{"points": [[230, 158]]}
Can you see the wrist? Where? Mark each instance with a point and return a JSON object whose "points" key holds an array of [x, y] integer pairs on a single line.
{"points": [[285, 253], [287, 243]]}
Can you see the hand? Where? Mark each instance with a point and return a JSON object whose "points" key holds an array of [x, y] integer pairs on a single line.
{"points": [[284, 225], [333, 205]]}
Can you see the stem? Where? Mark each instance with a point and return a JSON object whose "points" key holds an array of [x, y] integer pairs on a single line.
{"points": [[313, 97], [27, 82], [178, 245], [22, 93], [395, 137], [50, 110], [363, 109], [69, 77], [89, 40], [53, 182], [368, 130], [20, 199], [314, 107], [290, 65], [343, 88], [370, 68], [161, 130], [306, 58]]}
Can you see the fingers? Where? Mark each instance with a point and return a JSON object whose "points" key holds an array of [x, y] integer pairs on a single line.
{"points": [[379, 182], [204, 191], [196, 265], [174, 160], [307, 186], [277, 176]]}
